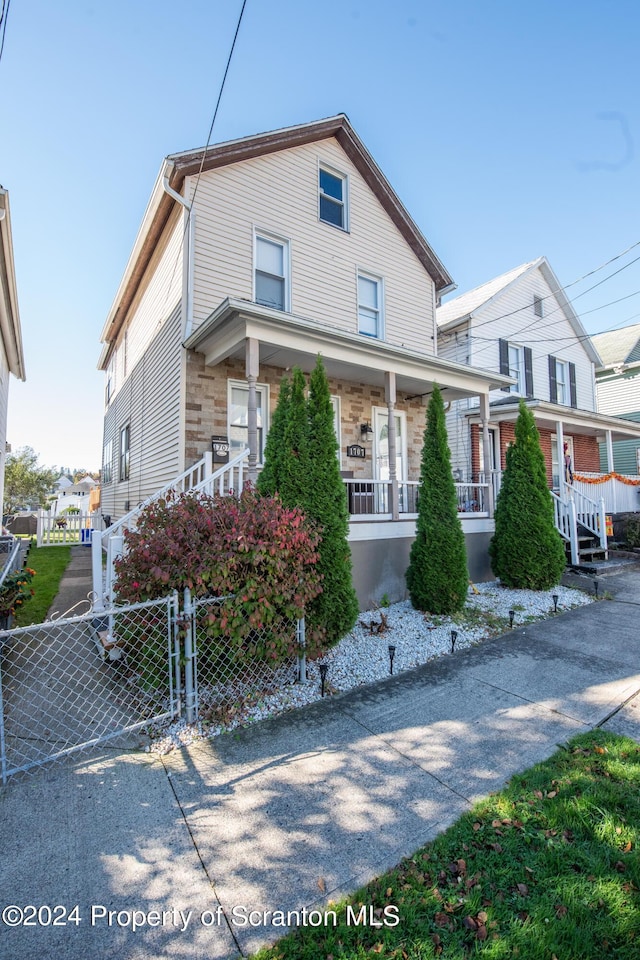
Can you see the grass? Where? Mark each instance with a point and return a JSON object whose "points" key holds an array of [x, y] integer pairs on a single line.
{"points": [[547, 869], [49, 564]]}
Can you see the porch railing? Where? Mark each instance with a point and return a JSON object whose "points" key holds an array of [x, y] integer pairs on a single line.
{"points": [[618, 496], [371, 499]]}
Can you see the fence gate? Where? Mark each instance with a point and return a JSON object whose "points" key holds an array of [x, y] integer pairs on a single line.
{"points": [[67, 685]]}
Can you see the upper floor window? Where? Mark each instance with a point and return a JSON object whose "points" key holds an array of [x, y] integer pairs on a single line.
{"points": [[538, 306], [562, 382], [370, 301], [332, 188], [125, 449], [271, 274], [516, 362]]}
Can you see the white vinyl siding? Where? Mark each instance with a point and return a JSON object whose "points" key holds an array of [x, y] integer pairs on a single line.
{"points": [[232, 201], [619, 396]]}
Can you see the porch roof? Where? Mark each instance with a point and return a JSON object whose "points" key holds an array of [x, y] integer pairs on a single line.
{"points": [[585, 422], [287, 340]]}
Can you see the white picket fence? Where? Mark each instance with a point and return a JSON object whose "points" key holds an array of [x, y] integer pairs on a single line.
{"points": [[62, 529]]}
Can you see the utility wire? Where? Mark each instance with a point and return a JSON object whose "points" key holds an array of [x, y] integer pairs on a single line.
{"points": [[4, 16]]}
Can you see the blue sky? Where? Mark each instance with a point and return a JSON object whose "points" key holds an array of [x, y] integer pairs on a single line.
{"points": [[508, 130]]}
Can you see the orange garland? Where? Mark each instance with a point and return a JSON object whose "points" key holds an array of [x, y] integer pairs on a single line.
{"points": [[609, 476]]}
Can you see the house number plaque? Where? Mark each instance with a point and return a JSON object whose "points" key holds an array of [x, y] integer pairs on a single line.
{"points": [[220, 449], [357, 451]]}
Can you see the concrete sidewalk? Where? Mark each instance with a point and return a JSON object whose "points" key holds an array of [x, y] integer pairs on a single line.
{"points": [[302, 808]]}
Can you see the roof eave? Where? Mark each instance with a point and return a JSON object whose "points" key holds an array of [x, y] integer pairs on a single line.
{"points": [[9, 311]]}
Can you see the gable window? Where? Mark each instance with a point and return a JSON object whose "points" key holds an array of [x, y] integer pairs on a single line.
{"points": [[125, 449], [516, 362], [271, 275], [562, 382], [107, 462], [238, 416], [332, 195], [538, 306], [370, 314]]}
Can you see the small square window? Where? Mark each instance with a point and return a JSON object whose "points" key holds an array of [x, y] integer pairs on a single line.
{"points": [[333, 198]]}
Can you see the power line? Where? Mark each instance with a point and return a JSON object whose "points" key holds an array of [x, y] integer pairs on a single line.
{"points": [[4, 16]]}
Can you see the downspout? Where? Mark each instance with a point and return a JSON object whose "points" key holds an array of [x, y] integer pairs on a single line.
{"points": [[189, 240]]}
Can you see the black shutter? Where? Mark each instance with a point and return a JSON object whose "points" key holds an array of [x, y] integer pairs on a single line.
{"points": [[572, 385], [528, 373], [553, 383], [504, 361]]}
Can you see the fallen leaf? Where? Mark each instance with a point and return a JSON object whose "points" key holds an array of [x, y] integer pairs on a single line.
{"points": [[437, 944], [483, 916], [389, 891], [470, 923], [477, 825], [619, 866], [441, 920], [618, 830], [552, 794], [523, 889], [321, 885], [561, 910], [481, 933], [627, 847]]}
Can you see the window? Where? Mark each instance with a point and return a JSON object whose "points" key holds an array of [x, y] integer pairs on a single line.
{"points": [[107, 462], [538, 306], [125, 438], [238, 416], [332, 188], [516, 362], [271, 272], [370, 315], [562, 382]]}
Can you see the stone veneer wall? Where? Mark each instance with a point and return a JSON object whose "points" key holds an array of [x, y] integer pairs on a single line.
{"points": [[206, 412]]}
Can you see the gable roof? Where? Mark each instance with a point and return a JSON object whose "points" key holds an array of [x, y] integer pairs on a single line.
{"points": [[176, 167], [468, 304], [619, 346]]}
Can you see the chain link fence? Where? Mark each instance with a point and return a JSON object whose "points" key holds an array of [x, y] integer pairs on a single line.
{"points": [[68, 685]]}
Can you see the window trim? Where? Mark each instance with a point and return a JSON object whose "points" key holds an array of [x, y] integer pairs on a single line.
{"points": [[344, 177], [259, 234], [107, 462], [124, 453], [379, 281], [263, 390]]}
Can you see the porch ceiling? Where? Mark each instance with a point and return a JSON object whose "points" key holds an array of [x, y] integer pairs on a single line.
{"points": [[585, 422], [286, 340]]}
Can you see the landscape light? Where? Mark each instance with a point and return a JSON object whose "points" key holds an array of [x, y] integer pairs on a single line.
{"points": [[555, 599], [454, 637], [392, 653], [595, 587], [323, 676], [512, 614]]}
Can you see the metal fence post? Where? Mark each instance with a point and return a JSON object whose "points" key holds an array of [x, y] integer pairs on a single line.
{"points": [[189, 658], [176, 704], [3, 751], [302, 653]]}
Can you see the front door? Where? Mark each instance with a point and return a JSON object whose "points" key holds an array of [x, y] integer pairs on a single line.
{"points": [[381, 444], [562, 466]]}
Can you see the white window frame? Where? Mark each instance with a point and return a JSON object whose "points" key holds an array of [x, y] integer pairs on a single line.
{"points": [[124, 453], [556, 461], [269, 237], [517, 372], [379, 415], [563, 386], [107, 462], [262, 390], [379, 281], [327, 168], [335, 403]]}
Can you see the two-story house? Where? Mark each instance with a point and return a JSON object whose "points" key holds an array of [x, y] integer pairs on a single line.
{"points": [[257, 255], [618, 390], [523, 324]]}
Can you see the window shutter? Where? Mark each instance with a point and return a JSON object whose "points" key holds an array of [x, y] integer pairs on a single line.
{"points": [[528, 373], [504, 361], [553, 383], [572, 385]]}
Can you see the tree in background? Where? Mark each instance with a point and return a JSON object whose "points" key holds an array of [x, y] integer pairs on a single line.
{"points": [[26, 483], [437, 577], [526, 550], [336, 608]]}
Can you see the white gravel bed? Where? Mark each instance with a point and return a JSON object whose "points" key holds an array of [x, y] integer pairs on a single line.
{"points": [[363, 656]]}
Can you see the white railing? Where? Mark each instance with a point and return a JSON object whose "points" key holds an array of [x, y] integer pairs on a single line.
{"points": [[371, 499], [199, 478], [564, 515], [619, 497], [589, 513], [64, 529]]}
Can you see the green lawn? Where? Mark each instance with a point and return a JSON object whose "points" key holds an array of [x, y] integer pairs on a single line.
{"points": [[547, 868], [49, 564]]}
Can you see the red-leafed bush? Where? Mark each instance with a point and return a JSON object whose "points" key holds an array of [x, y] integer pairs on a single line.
{"points": [[249, 549]]}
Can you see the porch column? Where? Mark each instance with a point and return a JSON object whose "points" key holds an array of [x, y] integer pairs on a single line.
{"points": [[609, 451], [560, 446], [485, 415], [390, 396], [252, 364]]}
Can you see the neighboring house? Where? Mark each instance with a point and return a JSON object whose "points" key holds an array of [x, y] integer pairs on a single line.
{"points": [[11, 355], [523, 324], [256, 255], [74, 496], [618, 390]]}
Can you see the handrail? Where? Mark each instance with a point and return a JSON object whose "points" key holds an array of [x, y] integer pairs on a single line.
{"points": [[10, 565]]}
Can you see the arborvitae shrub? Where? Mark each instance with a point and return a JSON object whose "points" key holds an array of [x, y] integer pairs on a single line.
{"points": [[526, 550], [437, 577]]}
